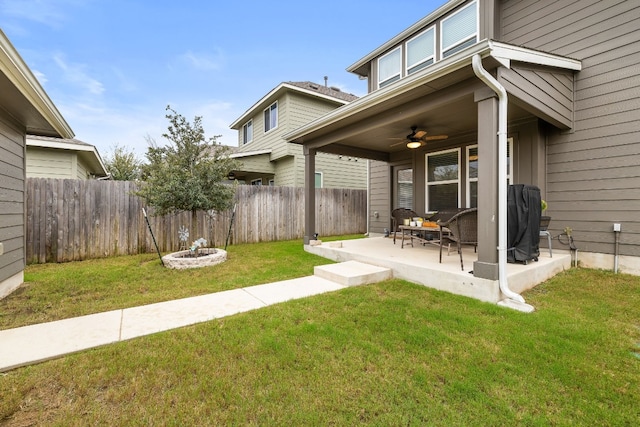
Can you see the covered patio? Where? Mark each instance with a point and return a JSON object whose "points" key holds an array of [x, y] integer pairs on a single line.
{"points": [[420, 264], [495, 104]]}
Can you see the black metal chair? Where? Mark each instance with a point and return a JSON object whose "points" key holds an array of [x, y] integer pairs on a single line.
{"points": [[398, 216], [462, 229]]}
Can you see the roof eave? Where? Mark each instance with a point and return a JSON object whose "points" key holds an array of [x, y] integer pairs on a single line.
{"points": [[502, 52], [249, 154], [17, 71]]}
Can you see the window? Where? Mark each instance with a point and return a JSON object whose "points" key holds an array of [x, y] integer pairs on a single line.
{"points": [[443, 180], [319, 180], [272, 182], [389, 67], [271, 117], [472, 176], [247, 132], [420, 51], [459, 30], [256, 181], [472, 172], [404, 187]]}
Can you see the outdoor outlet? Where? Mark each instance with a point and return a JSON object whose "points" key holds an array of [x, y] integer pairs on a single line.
{"points": [[616, 226]]}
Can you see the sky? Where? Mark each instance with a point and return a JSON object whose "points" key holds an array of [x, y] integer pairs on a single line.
{"points": [[112, 67]]}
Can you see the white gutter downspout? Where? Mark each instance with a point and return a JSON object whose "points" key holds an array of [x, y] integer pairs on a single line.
{"points": [[490, 81]]}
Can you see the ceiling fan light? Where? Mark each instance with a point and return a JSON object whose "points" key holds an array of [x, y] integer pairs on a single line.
{"points": [[414, 144]]}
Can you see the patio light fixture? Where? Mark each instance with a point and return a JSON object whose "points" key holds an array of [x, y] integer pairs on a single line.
{"points": [[414, 144]]}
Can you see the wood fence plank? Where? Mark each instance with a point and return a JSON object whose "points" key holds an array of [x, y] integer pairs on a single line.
{"points": [[72, 220]]}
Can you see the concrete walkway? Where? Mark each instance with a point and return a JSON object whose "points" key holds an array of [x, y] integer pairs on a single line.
{"points": [[36, 343]]}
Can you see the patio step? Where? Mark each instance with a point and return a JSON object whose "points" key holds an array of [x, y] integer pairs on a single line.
{"points": [[353, 273]]}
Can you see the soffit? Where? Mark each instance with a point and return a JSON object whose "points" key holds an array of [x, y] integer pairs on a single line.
{"points": [[24, 99]]}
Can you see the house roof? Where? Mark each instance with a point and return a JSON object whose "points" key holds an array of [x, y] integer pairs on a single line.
{"points": [[329, 93], [87, 152], [366, 121], [24, 98]]}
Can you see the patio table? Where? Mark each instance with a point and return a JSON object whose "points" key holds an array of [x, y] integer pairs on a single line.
{"points": [[415, 229]]}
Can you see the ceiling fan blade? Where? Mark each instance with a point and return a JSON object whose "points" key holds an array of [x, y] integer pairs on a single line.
{"points": [[398, 143], [419, 134], [435, 137]]}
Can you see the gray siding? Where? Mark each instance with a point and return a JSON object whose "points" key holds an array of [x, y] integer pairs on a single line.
{"points": [[379, 196], [549, 95], [12, 191], [592, 171]]}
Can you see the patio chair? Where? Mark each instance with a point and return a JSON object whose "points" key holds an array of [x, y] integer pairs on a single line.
{"points": [[463, 230], [398, 216]]}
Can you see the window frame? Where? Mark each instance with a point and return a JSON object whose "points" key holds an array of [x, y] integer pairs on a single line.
{"points": [[469, 180], [269, 117], [446, 51], [257, 181], [395, 77], [426, 176], [248, 125], [321, 180], [423, 63]]}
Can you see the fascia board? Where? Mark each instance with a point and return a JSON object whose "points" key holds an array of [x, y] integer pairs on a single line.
{"points": [[506, 53], [249, 154]]}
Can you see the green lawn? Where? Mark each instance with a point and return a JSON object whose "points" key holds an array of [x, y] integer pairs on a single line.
{"points": [[393, 353]]}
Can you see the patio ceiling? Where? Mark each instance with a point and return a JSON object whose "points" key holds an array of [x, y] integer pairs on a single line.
{"points": [[440, 101]]}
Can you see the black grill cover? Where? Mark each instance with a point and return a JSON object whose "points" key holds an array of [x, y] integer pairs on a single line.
{"points": [[523, 223]]}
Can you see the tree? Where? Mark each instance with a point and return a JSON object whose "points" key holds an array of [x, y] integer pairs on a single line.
{"points": [[189, 173], [122, 165]]}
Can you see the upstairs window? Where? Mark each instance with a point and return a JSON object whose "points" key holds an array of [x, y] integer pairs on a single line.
{"points": [[389, 68], [271, 117], [421, 51], [247, 132], [459, 30]]}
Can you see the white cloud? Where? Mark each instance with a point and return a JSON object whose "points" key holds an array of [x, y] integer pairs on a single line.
{"points": [[42, 79], [204, 61], [47, 12], [76, 75]]}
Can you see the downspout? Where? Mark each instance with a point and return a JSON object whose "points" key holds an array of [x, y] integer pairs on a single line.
{"points": [[489, 80]]}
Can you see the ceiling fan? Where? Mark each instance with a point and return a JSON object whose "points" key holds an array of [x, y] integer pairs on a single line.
{"points": [[417, 138]]}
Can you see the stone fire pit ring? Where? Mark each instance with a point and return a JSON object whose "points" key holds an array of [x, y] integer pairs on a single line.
{"points": [[184, 259]]}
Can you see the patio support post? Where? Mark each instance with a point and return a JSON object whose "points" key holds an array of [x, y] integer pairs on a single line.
{"points": [[309, 194], [487, 265]]}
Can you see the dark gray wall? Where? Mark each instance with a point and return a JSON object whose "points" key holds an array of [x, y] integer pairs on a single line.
{"points": [[593, 173], [12, 187]]}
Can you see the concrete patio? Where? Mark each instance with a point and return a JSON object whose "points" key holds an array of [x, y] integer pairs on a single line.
{"points": [[419, 264]]}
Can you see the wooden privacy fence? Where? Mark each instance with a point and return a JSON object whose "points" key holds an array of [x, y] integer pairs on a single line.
{"points": [[73, 220]]}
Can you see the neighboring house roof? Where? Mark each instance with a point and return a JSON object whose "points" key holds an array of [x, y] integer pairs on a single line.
{"points": [[24, 98], [313, 89], [87, 152]]}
